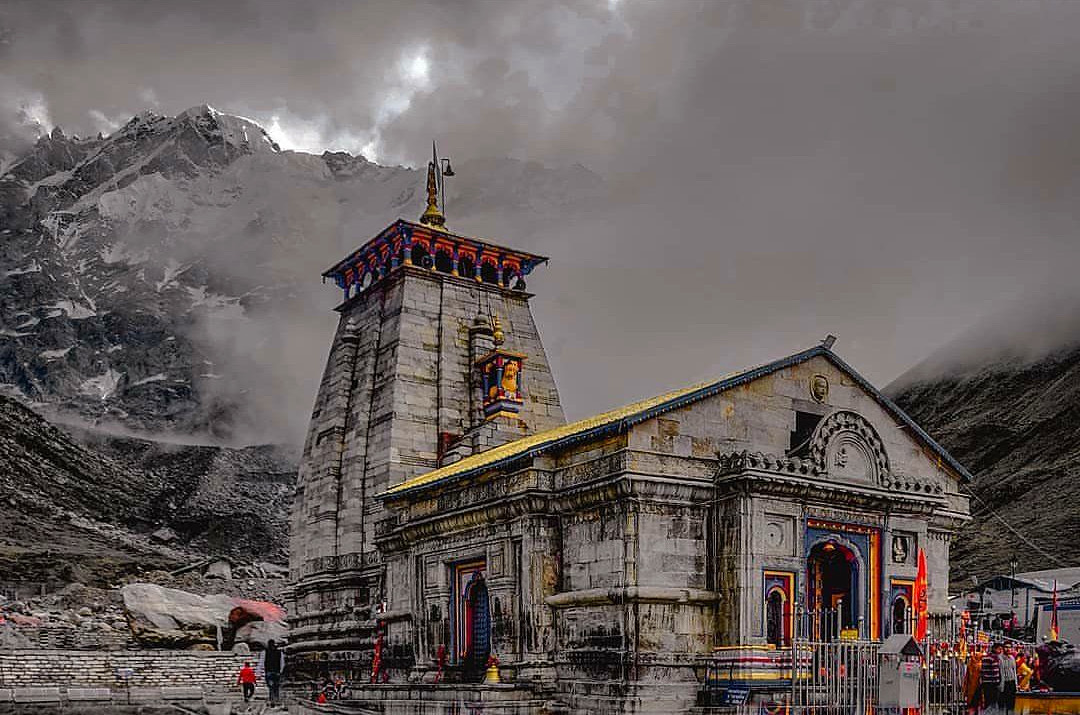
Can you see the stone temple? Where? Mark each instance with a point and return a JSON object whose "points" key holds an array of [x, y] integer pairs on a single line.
{"points": [[445, 507]]}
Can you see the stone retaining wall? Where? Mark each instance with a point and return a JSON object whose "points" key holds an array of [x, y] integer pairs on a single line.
{"points": [[68, 637], [104, 669]]}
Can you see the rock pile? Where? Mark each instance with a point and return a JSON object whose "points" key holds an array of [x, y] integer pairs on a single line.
{"points": [[76, 617], [139, 615]]}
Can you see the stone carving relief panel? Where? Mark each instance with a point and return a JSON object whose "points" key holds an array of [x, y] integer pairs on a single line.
{"points": [[846, 445], [777, 536], [903, 548]]}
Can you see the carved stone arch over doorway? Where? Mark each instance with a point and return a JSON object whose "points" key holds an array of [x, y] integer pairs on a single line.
{"points": [[845, 444]]}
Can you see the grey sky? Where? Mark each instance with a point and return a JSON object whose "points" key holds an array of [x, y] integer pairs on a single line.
{"points": [[890, 171]]}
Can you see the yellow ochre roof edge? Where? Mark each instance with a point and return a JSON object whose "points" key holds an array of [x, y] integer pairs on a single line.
{"points": [[622, 418]]}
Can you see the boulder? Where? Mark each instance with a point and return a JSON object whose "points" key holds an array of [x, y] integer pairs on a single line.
{"points": [[167, 617], [272, 570], [258, 633], [220, 568], [170, 618], [164, 535]]}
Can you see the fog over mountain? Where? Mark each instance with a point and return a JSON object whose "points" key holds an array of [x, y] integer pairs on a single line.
{"points": [[165, 278], [717, 183]]}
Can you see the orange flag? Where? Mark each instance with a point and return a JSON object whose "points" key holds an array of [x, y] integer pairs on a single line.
{"points": [[922, 608], [1055, 633]]}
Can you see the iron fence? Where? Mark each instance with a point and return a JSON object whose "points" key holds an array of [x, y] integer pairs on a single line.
{"points": [[835, 668]]}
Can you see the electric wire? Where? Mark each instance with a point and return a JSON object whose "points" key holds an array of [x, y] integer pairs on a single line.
{"points": [[1015, 531]]}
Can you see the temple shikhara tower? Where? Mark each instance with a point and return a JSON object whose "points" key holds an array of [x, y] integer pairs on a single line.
{"points": [[436, 356], [446, 513]]}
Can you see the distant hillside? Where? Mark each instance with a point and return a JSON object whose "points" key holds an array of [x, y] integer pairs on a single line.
{"points": [[1014, 421], [76, 511]]}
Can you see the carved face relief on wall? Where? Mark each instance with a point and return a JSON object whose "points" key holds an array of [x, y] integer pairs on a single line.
{"points": [[819, 388]]}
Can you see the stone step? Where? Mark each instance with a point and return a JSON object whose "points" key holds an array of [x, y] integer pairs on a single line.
{"points": [[86, 695], [182, 692], [36, 695]]}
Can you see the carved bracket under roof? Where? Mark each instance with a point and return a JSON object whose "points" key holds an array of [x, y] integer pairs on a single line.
{"points": [[733, 463], [405, 243]]}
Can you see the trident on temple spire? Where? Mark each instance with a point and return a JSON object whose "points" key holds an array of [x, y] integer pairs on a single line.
{"points": [[437, 170]]}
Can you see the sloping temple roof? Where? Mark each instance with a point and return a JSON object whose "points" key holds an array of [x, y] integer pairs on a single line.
{"points": [[621, 419]]}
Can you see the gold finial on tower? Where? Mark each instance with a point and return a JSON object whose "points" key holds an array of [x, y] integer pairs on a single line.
{"points": [[497, 335], [433, 215]]}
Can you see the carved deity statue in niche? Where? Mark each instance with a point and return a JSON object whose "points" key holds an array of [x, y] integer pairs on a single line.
{"points": [[900, 549], [510, 378]]}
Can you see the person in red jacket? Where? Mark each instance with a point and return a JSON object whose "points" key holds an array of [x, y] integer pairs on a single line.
{"points": [[246, 679]]}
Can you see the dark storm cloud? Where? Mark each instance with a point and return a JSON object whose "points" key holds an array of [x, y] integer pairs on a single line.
{"points": [[888, 171]]}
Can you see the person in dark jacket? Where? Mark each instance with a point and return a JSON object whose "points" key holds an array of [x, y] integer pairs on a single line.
{"points": [[1009, 677], [273, 667], [990, 676]]}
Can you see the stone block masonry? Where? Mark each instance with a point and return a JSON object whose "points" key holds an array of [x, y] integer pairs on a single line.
{"points": [[25, 668]]}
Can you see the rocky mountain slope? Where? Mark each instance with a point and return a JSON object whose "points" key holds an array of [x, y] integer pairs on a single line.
{"points": [[1014, 421], [75, 513], [160, 301], [166, 277]]}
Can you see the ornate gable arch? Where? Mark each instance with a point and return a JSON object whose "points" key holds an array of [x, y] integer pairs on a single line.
{"points": [[845, 444]]}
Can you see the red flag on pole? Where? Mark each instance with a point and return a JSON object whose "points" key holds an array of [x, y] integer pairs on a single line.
{"points": [[1054, 632], [922, 608]]}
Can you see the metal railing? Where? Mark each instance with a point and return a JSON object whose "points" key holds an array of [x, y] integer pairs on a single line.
{"points": [[835, 668]]}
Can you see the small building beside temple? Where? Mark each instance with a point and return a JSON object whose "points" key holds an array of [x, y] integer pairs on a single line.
{"points": [[445, 507]]}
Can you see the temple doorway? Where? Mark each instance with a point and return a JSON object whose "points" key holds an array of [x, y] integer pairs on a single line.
{"points": [[776, 618], [832, 598], [478, 626], [900, 615]]}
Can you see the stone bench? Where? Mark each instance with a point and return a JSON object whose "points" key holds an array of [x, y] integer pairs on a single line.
{"points": [[88, 695], [36, 695], [182, 692]]}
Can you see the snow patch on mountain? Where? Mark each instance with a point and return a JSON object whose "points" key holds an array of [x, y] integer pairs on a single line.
{"points": [[171, 270], [151, 197], [73, 310], [33, 267], [119, 253], [55, 354], [103, 386]]}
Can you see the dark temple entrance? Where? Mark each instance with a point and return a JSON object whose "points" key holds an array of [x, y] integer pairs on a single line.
{"points": [[832, 593], [478, 623]]}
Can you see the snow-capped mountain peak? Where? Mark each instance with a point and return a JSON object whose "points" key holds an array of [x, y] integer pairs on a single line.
{"points": [[129, 263]]}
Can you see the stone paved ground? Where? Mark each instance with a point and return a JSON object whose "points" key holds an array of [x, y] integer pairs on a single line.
{"points": [[230, 707]]}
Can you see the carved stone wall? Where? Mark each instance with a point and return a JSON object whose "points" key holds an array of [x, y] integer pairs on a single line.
{"points": [[399, 375]]}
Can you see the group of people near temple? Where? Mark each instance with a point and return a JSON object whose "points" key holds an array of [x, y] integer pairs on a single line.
{"points": [[996, 675]]}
